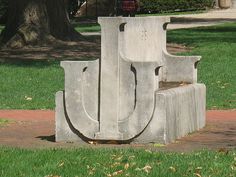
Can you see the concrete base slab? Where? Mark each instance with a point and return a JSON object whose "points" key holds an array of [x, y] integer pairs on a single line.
{"points": [[178, 112]]}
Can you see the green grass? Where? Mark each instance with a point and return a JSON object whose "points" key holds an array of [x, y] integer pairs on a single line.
{"points": [[173, 13], [33, 84], [88, 27], [108, 162], [30, 84]]}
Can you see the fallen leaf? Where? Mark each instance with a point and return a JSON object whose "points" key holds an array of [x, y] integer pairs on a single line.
{"points": [[197, 174], [119, 158], [126, 166], [173, 169], [147, 168], [93, 142], [61, 164], [183, 84], [233, 167], [91, 171], [28, 98], [117, 173]]}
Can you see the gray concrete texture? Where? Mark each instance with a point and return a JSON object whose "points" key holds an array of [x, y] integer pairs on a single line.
{"points": [[121, 96]]}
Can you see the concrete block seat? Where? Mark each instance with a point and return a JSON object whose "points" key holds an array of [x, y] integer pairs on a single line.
{"points": [[133, 94]]}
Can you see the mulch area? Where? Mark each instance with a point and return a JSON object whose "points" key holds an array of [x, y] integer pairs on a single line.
{"points": [[36, 129]]}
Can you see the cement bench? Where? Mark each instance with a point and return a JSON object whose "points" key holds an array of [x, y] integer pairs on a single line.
{"points": [[124, 95]]}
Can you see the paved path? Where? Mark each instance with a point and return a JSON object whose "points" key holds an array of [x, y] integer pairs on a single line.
{"points": [[35, 129], [210, 18]]}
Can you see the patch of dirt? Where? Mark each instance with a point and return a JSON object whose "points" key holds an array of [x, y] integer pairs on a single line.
{"points": [[36, 129], [85, 49]]}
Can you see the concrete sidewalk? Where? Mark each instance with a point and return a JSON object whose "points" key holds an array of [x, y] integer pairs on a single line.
{"points": [[210, 18]]}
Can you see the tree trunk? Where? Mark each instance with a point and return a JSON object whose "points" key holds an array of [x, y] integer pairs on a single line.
{"points": [[37, 22]]}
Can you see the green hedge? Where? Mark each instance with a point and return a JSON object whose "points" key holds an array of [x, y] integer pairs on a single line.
{"points": [[156, 6]]}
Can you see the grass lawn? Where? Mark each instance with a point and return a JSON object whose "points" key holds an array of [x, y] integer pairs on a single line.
{"points": [[113, 162], [33, 84], [91, 27], [30, 84]]}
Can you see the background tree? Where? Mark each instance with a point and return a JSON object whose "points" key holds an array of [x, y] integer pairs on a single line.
{"points": [[3, 11], [37, 22]]}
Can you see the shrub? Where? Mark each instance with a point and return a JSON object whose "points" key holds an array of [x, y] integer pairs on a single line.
{"points": [[157, 6]]}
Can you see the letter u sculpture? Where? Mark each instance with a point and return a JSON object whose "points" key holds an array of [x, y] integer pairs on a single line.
{"points": [[133, 94]]}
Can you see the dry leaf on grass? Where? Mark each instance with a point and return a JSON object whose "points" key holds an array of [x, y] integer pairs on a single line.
{"points": [[147, 168], [115, 173], [28, 98], [126, 166], [173, 169], [61, 164], [197, 174]]}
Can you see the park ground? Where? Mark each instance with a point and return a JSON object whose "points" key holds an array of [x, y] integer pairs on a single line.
{"points": [[27, 117]]}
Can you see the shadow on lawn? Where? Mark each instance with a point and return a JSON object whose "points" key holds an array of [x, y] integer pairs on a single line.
{"points": [[215, 34], [84, 49]]}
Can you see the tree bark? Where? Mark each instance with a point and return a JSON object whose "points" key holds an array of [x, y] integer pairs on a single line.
{"points": [[37, 22]]}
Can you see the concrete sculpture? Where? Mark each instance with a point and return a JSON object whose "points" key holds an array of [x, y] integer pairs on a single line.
{"points": [[131, 94]]}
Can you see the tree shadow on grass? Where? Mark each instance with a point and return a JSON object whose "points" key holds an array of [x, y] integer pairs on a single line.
{"points": [[225, 33], [85, 49]]}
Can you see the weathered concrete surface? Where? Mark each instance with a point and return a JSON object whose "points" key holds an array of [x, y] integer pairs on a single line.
{"points": [[178, 111], [118, 97]]}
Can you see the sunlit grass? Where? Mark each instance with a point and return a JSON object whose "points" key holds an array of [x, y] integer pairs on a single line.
{"points": [[112, 162]]}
